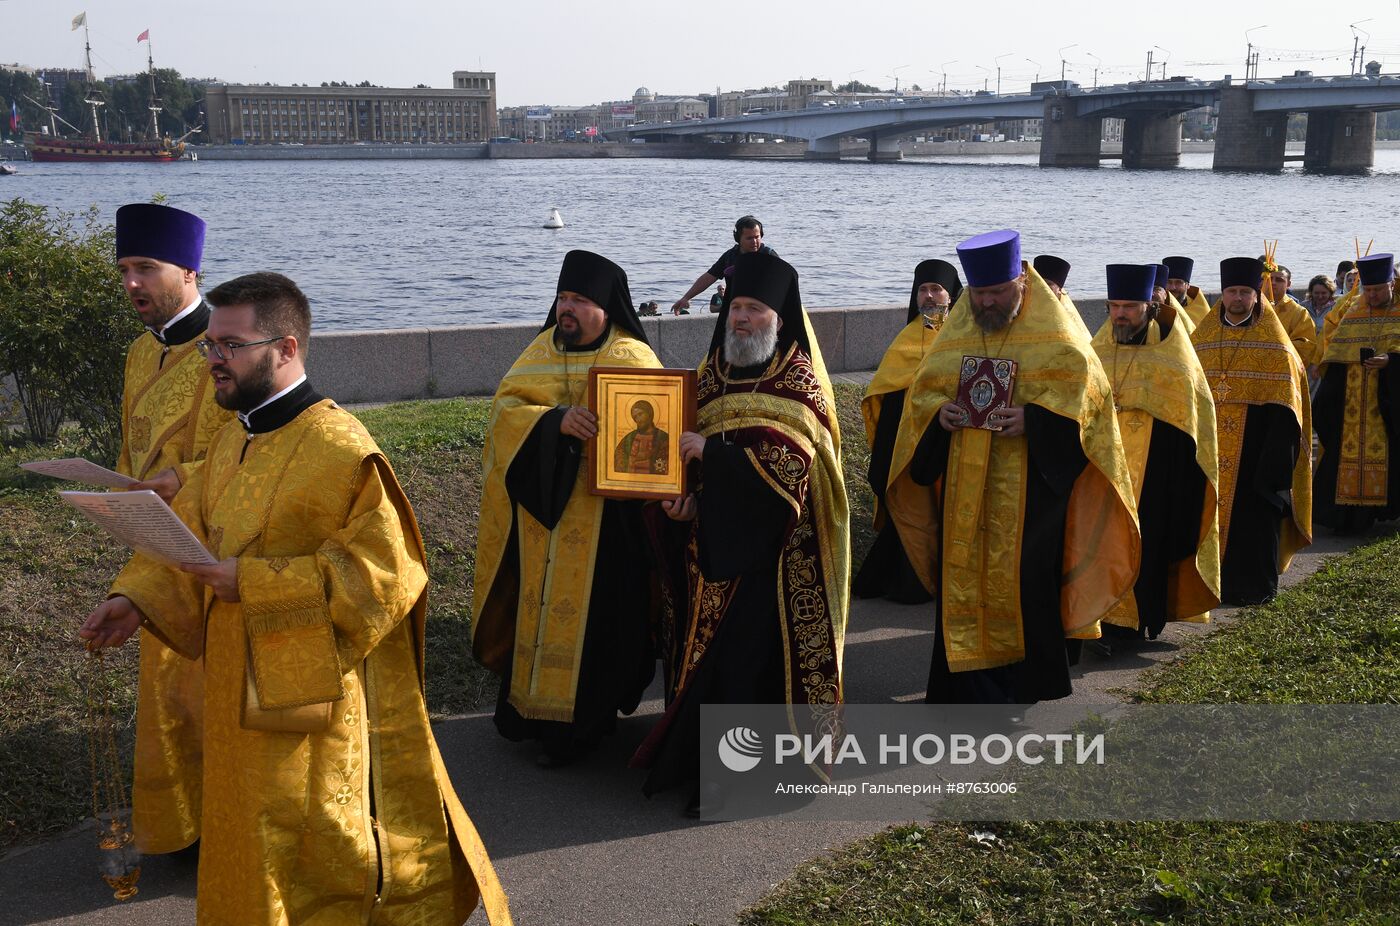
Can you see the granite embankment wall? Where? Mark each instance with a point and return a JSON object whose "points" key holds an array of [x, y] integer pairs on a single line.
{"points": [[373, 152], [418, 363]]}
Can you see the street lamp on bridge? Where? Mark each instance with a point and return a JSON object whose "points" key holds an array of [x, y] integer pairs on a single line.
{"points": [[1062, 60], [986, 76], [1097, 63], [895, 77], [1251, 58], [943, 68], [1358, 51], [997, 62], [1037, 69], [1164, 60]]}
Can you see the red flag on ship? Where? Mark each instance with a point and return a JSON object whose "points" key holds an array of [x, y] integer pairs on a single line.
{"points": [[143, 37]]}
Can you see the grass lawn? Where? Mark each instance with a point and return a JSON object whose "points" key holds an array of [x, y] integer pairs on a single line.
{"points": [[1335, 638], [55, 566]]}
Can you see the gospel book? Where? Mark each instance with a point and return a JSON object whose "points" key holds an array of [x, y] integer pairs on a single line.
{"points": [[984, 385]]}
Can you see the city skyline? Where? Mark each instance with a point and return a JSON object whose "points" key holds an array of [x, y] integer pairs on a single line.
{"points": [[552, 53]]}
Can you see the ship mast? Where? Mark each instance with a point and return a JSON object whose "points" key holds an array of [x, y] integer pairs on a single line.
{"points": [[154, 105], [94, 96]]}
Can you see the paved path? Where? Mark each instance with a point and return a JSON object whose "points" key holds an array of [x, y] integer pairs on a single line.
{"points": [[581, 845]]}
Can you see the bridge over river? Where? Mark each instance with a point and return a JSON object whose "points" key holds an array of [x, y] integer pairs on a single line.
{"points": [[1251, 128]]}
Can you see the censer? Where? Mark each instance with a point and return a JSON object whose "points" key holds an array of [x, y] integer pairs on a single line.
{"points": [[119, 861]]}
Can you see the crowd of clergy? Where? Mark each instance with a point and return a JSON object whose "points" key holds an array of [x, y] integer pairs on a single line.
{"points": [[1036, 486]]}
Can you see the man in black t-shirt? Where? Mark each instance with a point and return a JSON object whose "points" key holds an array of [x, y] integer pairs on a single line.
{"points": [[748, 238]]}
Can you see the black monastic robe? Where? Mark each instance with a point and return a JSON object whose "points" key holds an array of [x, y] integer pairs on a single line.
{"points": [[886, 570], [741, 523], [1263, 499]]}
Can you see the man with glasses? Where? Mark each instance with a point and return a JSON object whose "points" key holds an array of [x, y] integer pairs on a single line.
{"points": [[332, 797], [168, 418]]}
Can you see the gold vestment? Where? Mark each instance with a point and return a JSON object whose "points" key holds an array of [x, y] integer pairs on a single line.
{"points": [[895, 373], [1256, 364], [1197, 306], [974, 515], [356, 822], [537, 619], [1363, 464], [1301, 328], [168, 418], [1162, 379]]}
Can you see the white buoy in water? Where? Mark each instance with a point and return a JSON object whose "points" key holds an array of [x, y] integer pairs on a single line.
{"points": [[555, 219]]}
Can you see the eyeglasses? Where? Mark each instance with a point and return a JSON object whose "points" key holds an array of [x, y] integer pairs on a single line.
{"points": [[225, 352]]}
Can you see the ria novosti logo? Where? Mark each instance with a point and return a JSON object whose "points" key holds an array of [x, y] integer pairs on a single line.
{"points": [[741, 749]]}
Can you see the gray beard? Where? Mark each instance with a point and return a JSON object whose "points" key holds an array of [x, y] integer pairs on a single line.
{"points": [[1123, 336], [752, 350]]}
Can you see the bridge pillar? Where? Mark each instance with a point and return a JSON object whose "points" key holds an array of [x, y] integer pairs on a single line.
{"points": [[1340, 141], [884, 147], [823, 149], [1067, 140], [1151, 141], [1244, 139]]}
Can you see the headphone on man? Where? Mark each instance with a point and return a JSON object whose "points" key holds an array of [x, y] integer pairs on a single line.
{"points": [[746, 221]]}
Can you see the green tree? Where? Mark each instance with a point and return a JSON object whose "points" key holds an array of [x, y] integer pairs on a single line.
{"points": [[65, 323], [855, 86], [20, 88]]}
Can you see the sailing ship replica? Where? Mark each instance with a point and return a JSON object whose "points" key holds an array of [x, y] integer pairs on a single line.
{"points": [[53, 146]]}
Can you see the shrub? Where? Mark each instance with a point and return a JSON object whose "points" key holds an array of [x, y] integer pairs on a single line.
{"points": [[65, 323]]}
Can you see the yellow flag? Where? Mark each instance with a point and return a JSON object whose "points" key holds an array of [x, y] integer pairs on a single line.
{"points": [[79, 20]]}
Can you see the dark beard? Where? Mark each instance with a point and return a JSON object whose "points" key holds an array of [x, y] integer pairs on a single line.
{"points": [[569, 338], [251, 392], [165, 306]]}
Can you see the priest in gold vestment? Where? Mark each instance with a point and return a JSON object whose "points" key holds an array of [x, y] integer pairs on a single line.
{"points": [[1025, 530], [1167, 422], [886, 570], [562, 604], [1263, 427], [1192, 301], [1165, 300], [1054, 272], [169, 417], [1296, 320], [1357, 407], [333, 806]]}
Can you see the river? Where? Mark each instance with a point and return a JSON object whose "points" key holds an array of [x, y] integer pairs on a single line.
{"points": [[380, 244]]}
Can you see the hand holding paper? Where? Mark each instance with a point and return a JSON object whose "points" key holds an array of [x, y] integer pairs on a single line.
{"points": [[165, 483]]}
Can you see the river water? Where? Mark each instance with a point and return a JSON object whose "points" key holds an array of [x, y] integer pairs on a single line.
{"points": [[380, 244]]}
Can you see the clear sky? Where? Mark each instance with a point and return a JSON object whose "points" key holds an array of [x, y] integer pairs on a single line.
{"points": [[545, 51]]}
